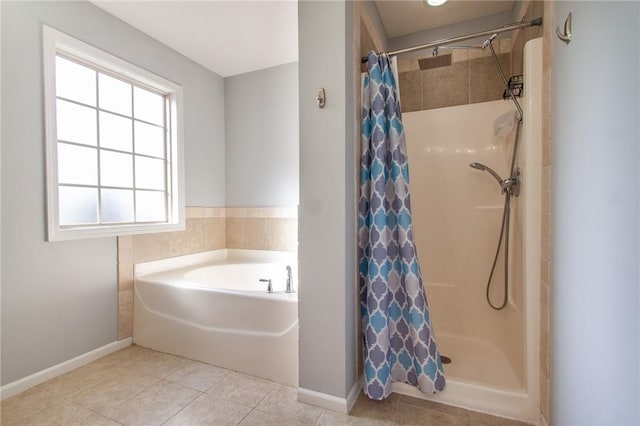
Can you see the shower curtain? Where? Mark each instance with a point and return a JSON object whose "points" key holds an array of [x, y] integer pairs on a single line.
{"points": [[399, 345]]}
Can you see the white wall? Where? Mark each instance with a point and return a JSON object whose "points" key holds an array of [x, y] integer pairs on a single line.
{"points": [[59, 300], [596, 192], [262, 149], [326, 225]]}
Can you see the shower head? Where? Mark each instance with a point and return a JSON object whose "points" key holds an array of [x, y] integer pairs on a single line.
{"points": [[483, 168], [488, 41]]}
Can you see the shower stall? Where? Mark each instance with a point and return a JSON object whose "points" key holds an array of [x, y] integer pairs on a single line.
{"points": [[457, 213]]}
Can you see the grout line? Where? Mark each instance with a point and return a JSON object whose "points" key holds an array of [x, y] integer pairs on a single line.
{"points": [[247, 415], [99, 414], [468, 78], [421, 88], [185, 406], [396, 409], [322, 411], [265, 397]]}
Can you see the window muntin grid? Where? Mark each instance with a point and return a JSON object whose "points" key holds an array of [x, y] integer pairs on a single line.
{"points": [[101, 120]]}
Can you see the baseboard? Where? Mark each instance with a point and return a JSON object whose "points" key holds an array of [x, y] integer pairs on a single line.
{"points": [[330, 402], [42, 376], [352, 397]]}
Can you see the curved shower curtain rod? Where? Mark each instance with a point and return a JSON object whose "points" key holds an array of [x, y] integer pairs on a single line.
{"points": [[438, 43]]}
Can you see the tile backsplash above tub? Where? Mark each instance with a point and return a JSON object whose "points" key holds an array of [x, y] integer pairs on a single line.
{"points": [[205, 230], [213, 228], [264, 228]]}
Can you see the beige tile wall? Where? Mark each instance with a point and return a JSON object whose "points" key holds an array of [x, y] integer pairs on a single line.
{"points": [[125, 287], [471, 78], [267, 228], [547, 163], [535, 9], [207, 228]]}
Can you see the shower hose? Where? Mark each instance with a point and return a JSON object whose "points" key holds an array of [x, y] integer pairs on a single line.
{"points": [[506, 212], [504, 234]]}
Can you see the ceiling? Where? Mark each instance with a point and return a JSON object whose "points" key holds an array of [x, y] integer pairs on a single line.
{"points": [[401, 17], [238, 36], [227, 37]]}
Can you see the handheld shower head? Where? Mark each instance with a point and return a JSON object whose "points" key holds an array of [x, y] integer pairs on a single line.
{"points": [[483, 168], [488, 41]]}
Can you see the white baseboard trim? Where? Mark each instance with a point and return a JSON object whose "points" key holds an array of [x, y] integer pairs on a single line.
{"points": [[330, 402], [354, 393], [322, 400], [21, 385]]}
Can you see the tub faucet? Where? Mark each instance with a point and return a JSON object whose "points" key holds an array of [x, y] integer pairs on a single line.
{"points": [[269, 286], [289, 281]]}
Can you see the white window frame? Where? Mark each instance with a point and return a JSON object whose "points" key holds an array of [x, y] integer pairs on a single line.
{"points": [[55, 42]]}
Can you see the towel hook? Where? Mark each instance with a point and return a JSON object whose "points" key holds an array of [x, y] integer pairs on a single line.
{"points": [[566, 37], [321, 98]]}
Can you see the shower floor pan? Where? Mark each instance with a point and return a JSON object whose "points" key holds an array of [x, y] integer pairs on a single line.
{"points": [[477, 361], [479, 378]]}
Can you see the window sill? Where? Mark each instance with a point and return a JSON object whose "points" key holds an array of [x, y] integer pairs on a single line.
{"points": [[85, 232]]}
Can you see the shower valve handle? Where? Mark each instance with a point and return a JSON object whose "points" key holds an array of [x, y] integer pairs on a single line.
{"points": [[269, 286], [512, 184]]}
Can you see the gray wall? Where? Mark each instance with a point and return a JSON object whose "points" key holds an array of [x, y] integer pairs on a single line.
{"points": [[596, 195], [59, 299], [261, 124], [326, 222]]}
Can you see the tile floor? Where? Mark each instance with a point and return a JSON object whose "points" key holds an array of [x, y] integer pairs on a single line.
{"points": [[138, 386]]}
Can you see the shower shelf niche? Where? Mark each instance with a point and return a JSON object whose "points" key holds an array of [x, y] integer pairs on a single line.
{"points": [[516, 84]]}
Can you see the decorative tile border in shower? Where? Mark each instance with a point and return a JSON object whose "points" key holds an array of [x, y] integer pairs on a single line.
{"points": [[207, 228]]}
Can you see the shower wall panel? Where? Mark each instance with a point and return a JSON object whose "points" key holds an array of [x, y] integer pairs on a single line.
{"points": [[457, 214]]}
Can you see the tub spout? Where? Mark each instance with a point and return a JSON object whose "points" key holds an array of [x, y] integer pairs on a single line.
{"points": [[289, 281]]}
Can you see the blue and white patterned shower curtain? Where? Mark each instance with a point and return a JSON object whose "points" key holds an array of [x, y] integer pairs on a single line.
{"points": [[399, 344]]}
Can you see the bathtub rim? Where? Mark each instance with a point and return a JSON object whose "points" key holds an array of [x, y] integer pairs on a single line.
{"points": [[173, 279], [143, 269]]}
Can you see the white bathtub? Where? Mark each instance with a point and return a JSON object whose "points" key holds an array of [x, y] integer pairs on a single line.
{"points": [[211, 307]]}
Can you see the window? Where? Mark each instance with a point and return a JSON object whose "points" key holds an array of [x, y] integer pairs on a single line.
{"points": [[113, 144]]}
